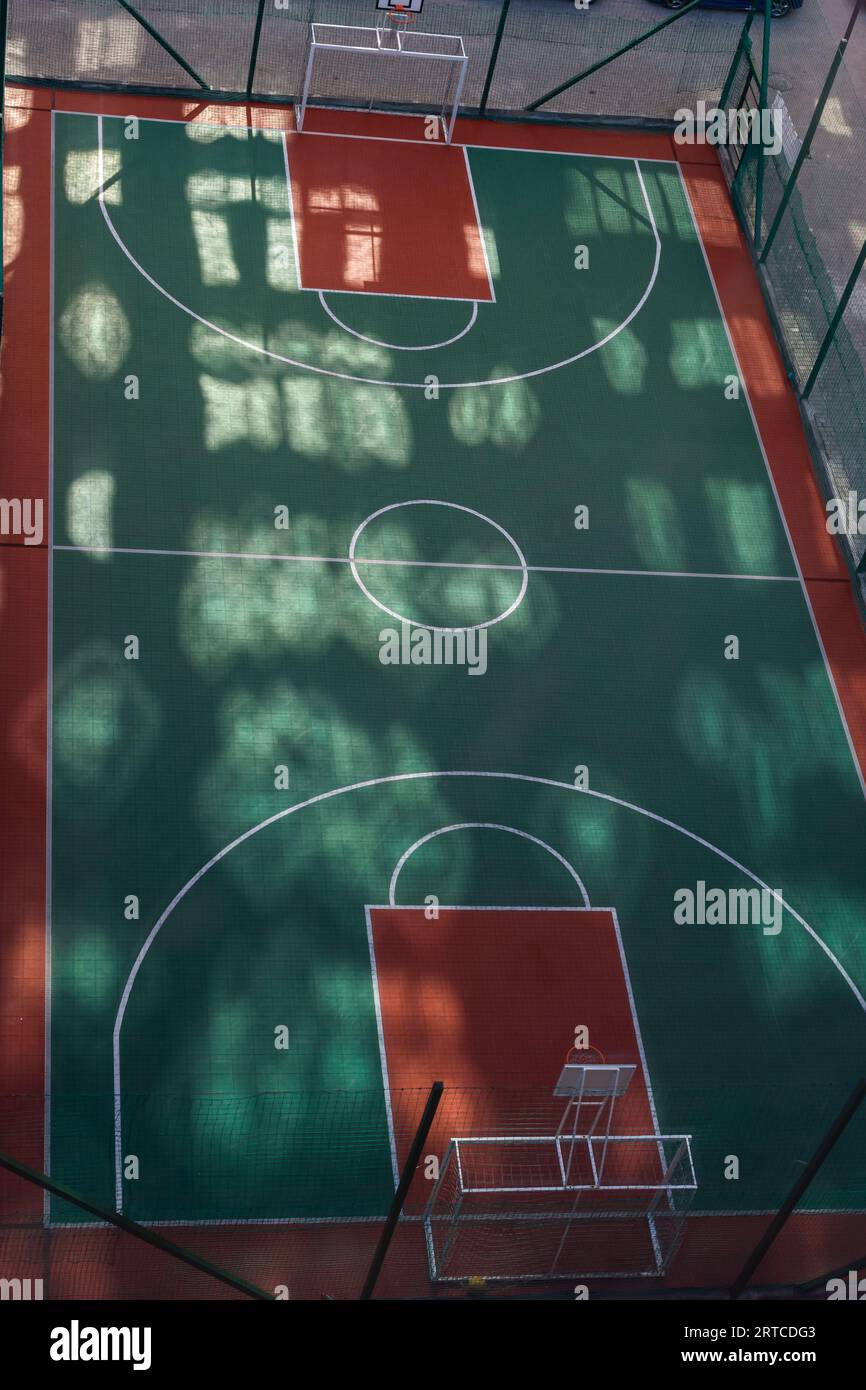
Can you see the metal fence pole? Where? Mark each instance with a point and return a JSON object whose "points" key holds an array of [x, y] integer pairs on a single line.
{"points": [[254, 55], [810, 134], [132, 1228], [762, 106], [163, 43], [406, 1177], [500, 30], [835, 321], [603, 62], [834, 1133]]}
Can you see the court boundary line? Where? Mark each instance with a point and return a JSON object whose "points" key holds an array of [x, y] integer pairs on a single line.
{"points": [[383, 1056], [383, 139], [861, 777], [376, 381], [479, 226], [49, 696], [418, 564]]}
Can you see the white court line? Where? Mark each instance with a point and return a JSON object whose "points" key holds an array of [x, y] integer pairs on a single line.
{"points": [[483, 825], [49, 703], [383, 1057], [392, 778], [784, 520], [377, 381], [292, 217], [421, 564], [381, 139], [478, 224], [398, 347], [637, 1033]]}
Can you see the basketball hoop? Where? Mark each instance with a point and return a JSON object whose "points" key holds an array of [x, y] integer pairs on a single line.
{"points": [[400, 17]]}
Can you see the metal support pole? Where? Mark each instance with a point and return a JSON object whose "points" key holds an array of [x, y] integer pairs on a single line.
{"points": [[603, 62], [835, 321], [132, 1228], [500, 30], [846, 1114], [254, 55], [810, 133], [406, 1177], [163, 43]]}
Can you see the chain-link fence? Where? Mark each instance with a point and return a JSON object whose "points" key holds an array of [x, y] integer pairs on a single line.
{"points": [[289, 1194], [811, 243]]}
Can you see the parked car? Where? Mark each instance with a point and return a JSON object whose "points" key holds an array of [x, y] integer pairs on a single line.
{"points": [[779, 8]]}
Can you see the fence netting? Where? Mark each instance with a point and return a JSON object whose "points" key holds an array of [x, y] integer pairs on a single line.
{"points": [[813, 250], [290, 1193]]}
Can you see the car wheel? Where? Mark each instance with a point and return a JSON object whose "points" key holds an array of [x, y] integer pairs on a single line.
{"points": [[780, 8]]}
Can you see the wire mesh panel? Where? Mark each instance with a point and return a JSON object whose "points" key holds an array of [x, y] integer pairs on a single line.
{"points": [[559, 1207], [814, 245], [386, 65]]}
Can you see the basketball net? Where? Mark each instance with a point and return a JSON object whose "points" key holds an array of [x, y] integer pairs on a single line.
{"points": [[398, 17]]}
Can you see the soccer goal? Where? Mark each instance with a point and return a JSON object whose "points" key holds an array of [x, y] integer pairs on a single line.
{"points": [[583, 1203], [392, 65]]}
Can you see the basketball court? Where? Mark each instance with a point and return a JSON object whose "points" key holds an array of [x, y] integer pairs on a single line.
{"points": [[518, 388]]}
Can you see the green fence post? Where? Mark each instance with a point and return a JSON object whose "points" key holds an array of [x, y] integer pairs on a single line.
{"points": [[500, 30], [835, 321], [603, 62], [810, 133], [254, 55], [762, 106], [163, 43]]}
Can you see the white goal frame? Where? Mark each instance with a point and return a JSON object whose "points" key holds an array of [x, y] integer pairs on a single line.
{"points": [[658, 1199], [388, 45]]}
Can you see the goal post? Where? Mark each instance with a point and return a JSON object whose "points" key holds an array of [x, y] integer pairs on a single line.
{"points": [[382, 68], [549, 1207]]}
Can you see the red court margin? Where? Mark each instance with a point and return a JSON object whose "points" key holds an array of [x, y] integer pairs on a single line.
{"points": [[825, 574], [24, 473], [808, 1243]]}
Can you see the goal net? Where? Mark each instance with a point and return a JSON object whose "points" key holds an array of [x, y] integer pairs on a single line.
{"points": [[558, 1207], [384, 67]]}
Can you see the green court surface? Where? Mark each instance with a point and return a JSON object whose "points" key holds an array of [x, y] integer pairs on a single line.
{"points": [[258, 650]]}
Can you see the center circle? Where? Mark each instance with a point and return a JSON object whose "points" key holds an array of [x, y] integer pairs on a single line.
{"points": [[456, 506]]}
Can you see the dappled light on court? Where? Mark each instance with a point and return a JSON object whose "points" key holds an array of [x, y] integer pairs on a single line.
{"points": [[248, 413], [89, 516], [657, 526], [88, 974], [507, 417], [94, 331], [214, 245], [742, 517], [625, 359], [700, 354], [106, 723], [83, 179], [357, 425]]}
